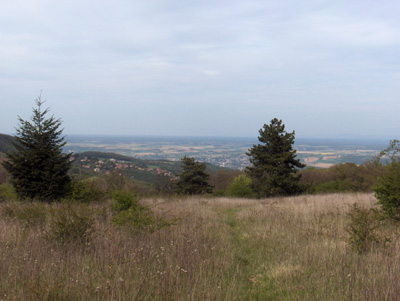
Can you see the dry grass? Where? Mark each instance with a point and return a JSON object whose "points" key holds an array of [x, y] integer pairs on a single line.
{"points": [[220, 249]]}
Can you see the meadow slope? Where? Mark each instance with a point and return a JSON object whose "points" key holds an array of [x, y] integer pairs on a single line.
{"points": [[292, 248]]}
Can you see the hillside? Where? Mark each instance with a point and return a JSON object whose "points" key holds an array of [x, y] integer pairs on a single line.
{"points": [[92, 163], [6, 143], [150, 171]]}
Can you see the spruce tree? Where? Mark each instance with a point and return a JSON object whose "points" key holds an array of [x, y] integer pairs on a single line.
{"points": [[274, 166], [193, 179], [38, 168]]}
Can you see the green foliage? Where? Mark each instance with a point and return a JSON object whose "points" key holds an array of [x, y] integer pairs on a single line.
{"points": [[130, 214], [241, 187], [362, 229], [193, 179], [123, 200], [85, 191], [7, 193], [38, 167], [342, 177], [139, 218], [333, 186], [387, 190], [274, 169], [390, 153], [71, 223]]}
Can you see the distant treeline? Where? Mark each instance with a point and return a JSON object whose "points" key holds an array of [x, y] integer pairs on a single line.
{"points": [[343, 177], [338, 178]]}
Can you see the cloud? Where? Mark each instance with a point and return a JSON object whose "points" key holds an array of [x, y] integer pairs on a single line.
{"points": [[237, 63]]}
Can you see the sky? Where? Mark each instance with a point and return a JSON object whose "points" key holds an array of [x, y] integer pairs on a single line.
{"points": [[328, 69]]}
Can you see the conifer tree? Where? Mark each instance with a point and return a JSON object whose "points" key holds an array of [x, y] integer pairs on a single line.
{"points": [[38, 168], [274, 166], [193, 179]]}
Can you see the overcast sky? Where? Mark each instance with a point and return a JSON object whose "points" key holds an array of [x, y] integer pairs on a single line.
{"points": [[203, 68]]}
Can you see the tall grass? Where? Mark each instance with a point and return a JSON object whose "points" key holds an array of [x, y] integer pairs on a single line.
{"points": [[219, 249]]}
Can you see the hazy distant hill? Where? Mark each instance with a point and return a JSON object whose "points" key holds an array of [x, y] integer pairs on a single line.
{"points": [[87, 163], [6, 143], [150, 171]]}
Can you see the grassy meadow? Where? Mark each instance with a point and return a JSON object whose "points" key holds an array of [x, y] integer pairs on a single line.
{"points": [[294, 248]]}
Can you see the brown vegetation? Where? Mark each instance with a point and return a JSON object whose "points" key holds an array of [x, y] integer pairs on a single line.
{"points": [[343, 177], [3, 172], [222, 179], [294, 248]]}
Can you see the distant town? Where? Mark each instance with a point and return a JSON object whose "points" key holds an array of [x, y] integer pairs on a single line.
{"points": [[108, 166], [223, 152]]}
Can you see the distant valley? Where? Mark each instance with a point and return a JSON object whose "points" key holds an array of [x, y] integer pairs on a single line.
{"points": [[224, 151], [221, 152]]}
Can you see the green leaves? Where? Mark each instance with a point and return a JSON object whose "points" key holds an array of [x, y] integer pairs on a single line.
{"points": [[388, 190], [241, 187]]}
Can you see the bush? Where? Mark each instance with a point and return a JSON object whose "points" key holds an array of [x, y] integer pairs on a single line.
{"points": [[85, 191], [133, 215], [123, 200], [7, 193], [241, 187], [334, 186], [387, 191], [71, 223], [361, 229]]}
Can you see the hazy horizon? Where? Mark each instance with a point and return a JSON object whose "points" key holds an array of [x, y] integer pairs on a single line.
{"points": [[344, 138], [254, 138]]}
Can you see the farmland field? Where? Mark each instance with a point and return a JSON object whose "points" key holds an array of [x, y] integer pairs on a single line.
{"points": [[226, 152]]}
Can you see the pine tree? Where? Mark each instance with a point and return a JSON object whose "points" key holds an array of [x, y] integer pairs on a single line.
{"points": [[38, 168], [193, 179], [274, 165]]}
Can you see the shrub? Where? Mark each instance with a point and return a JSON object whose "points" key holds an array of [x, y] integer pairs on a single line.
{"points": [[334, 186], [7, 193], [387, 191], [123, 200], [71, 223], [362, 228], [241, 187], [133, 215], [85, 191]]}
